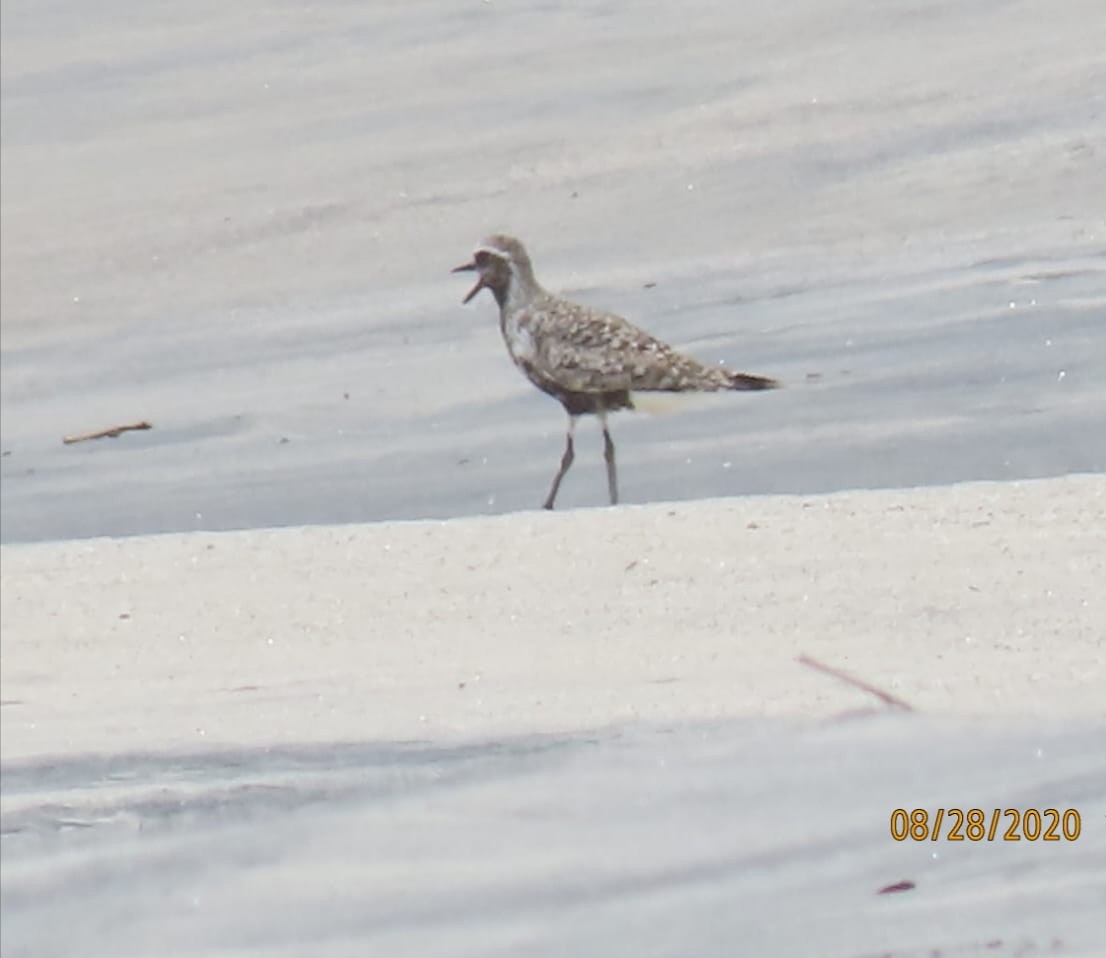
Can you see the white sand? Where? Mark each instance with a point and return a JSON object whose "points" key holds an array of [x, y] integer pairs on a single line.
{"points": [[976, 599]]}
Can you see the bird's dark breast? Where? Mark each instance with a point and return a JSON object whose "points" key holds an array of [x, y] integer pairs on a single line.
{"points": [[578, 403]]}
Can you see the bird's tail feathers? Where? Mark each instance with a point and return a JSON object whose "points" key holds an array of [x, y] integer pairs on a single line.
{"points": [[745, 381]]}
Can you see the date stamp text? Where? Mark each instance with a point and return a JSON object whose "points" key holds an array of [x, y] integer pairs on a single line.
{"points": [[977, 825]]}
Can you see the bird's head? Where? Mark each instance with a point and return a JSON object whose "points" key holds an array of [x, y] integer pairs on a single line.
{"points": [[503, 267]]}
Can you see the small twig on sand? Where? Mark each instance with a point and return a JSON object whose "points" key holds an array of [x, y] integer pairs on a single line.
{"points": [[905, 885], [107, 433], [885, 697]]}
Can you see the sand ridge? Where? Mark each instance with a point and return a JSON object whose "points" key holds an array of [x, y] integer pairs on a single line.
{"points": [[972, 599]]}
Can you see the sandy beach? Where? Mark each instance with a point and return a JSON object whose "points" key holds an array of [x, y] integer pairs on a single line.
{"points": [[300, 669], [535, 623], [453, 737]]}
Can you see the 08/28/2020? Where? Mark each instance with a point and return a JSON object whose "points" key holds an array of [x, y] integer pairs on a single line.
{"points": [[976, 825]]}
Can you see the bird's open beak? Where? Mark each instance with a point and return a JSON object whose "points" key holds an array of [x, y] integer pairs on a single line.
{"points": [[468, 268]]}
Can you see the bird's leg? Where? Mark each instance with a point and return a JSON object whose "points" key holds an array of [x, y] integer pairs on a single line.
{"points": [[566, 461], [608, 455]]}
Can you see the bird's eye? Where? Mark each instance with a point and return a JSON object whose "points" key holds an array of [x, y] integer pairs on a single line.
{"points": [[482, 258]]}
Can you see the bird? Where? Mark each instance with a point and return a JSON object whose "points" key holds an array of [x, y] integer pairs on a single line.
{"points": [[591, 361]]}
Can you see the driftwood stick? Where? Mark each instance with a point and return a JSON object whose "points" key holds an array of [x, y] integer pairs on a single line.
{"points": [[885, 697], [107, 433]]}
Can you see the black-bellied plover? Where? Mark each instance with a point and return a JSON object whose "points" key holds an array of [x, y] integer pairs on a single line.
{"points": [[593, 362]]}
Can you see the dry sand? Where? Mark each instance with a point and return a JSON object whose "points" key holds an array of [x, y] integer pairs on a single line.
{"points": [[531, 734], [979, 599]]}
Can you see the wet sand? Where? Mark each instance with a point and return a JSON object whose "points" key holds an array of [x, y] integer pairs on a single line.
{"points": [[238, 225]]}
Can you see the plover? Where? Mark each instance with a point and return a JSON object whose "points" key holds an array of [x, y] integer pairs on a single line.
{"points": [[593, 362]]}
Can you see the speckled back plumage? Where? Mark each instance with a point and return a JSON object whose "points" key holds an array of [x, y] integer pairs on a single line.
{"points": [[574, 352], [586, 350], [592, 361]]}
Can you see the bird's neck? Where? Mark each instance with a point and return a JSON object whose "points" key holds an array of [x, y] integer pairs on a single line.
{"points": [[519, 293]]}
